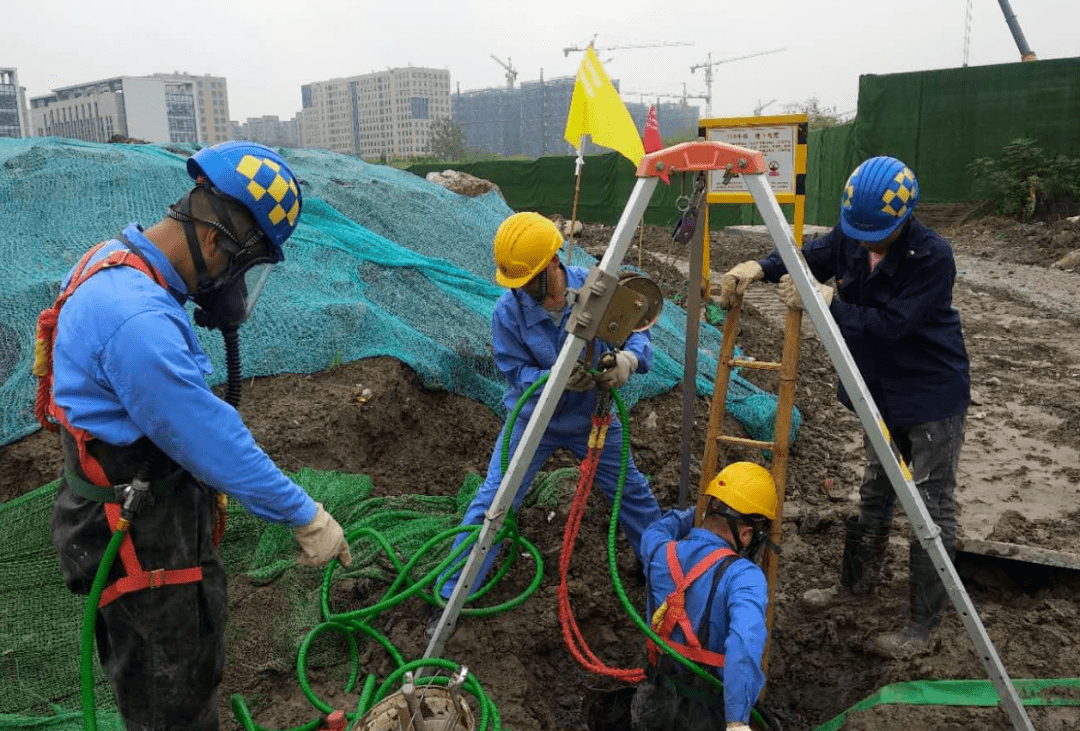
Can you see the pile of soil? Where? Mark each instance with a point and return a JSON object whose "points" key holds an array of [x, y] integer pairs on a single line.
{"points": [[413, 440]]}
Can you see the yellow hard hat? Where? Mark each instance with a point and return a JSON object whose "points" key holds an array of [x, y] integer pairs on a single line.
{"points": [[524, 245], [745, 487]]}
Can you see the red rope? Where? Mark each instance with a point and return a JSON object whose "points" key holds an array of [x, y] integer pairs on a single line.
{"points": [[572, 636]]}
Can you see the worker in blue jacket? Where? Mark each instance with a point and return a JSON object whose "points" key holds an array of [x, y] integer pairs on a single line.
{"points": [[893, 306], [527, 335], [122, 378], [707, 600]]}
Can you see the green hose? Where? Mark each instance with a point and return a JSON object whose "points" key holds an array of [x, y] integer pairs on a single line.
{"points": [[86, 658]]}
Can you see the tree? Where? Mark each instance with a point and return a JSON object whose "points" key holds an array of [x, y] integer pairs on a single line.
{"points": [[818, 115], [1026, 182], [447, 140]]}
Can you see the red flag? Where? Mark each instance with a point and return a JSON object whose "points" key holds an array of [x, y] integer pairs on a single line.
{"points": [[652, 142]]}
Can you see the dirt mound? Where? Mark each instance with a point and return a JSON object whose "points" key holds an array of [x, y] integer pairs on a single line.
{"points": [[1002, 239]]}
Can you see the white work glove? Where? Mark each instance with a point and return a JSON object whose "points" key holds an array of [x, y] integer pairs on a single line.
{"points": [[737, 727], [580, 379], [733, 284], [790, 297], [322, 540], [618, 374]]}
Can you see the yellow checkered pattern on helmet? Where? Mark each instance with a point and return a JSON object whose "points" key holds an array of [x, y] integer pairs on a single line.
{"points": [[264, 178], [899, 192]]}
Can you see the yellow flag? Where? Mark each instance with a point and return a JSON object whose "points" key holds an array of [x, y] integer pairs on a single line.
{"points": [[597, 110]]}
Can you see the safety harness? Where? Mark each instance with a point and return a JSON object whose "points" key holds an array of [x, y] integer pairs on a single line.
{"points": [[672, 612], [46, 410]]}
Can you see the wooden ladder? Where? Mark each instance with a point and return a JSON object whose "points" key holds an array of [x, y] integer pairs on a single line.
{"points": [[787, 367]]}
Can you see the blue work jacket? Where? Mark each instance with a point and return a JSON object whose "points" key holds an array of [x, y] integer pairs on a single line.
{"points": [[127, 364], [897, 320], [737, 622], [527, 341]]}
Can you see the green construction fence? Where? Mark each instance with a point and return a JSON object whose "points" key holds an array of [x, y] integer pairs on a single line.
{"points": [[936, 121]]}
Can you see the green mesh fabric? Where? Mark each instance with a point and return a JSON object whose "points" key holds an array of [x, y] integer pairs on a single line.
{"points": [[41, 621], [383, 263]]}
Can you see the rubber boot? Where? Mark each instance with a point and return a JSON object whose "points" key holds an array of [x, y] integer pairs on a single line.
{"points": [[927, 596], [860, 569]]}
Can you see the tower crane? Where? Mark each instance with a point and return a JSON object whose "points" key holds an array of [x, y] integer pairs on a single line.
{"points": [[761, 107], [708, 66], [569, 49], [681, 97], [511, 72]]}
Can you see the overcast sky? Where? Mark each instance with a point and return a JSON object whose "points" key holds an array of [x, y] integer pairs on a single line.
{"points": [[268, 49]]}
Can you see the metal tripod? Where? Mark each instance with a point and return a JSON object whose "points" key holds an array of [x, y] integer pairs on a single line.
{"points": [[584, 323]]}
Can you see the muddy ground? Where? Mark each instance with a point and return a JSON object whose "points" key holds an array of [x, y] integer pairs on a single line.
{"points": [[1020, 482]]}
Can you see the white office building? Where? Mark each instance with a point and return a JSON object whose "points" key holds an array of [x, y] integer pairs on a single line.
{"points": [[14, 119], [377, 116], [142, 108], [211, 95], [269, 130]]}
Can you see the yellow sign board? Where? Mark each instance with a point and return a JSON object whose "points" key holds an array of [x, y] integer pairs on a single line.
{"points": [[781, 139]]}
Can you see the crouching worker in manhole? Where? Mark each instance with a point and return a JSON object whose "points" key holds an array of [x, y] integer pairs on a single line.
{"points": [[707, 598], [150, 451]]}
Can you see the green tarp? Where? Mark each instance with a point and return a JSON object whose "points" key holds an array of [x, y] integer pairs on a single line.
{"points": [[939, 121], [935, 121]]}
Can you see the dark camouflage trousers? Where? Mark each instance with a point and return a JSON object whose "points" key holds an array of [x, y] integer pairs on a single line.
{"points": [[660, 704], [163, 649], [932, 453]]}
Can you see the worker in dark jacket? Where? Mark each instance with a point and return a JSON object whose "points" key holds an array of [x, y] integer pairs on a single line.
{"points": [[707, 600], [146, 442], [893, 306]]}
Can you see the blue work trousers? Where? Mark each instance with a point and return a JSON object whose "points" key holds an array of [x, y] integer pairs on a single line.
{"points": [[932, 452], [637, 510]]}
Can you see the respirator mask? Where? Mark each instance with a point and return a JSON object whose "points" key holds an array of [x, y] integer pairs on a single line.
{"points": [[226, 301]]}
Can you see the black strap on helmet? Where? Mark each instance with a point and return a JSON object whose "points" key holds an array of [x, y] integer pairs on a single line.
{"points": [[759, 523], [242, 253]]}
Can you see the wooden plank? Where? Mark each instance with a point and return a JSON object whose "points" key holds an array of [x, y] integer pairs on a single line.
{"points": [[1017, 552]]}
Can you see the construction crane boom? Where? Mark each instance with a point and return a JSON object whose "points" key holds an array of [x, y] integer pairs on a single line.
{"points": [[511, 72], [708, 66], [569, 49], [761, 107], [1026, 54]]}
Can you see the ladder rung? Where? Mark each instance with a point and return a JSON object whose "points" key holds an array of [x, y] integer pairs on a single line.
{"points": [[761, 365], [746, 442]]}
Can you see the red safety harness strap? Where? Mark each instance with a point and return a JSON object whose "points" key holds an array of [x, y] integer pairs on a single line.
{"points": [[47, 410], [45, 407], [137, 577], [672, 612]]}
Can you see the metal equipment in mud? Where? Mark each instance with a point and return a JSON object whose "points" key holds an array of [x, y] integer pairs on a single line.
{"points": [[422, 707], [585, 323]]}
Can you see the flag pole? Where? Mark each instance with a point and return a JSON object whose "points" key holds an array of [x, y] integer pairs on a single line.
{"points": [[578, 164]]}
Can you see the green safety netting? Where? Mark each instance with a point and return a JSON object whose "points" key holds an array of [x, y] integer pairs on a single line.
{"points": [[41, 621], [383, 263], [1032, 692]]}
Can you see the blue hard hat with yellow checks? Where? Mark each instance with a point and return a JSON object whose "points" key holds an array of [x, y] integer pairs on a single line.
{"points": [[877, 199], [258, 178]]}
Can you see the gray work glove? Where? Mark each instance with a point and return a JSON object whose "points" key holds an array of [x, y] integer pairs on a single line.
{"points": [[790, 296], [580, 379], [322, 540], [737, 726], [734, 282], [616, 376]]}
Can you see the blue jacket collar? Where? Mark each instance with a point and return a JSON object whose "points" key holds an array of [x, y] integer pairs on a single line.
{"points": [[134, 233]]}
